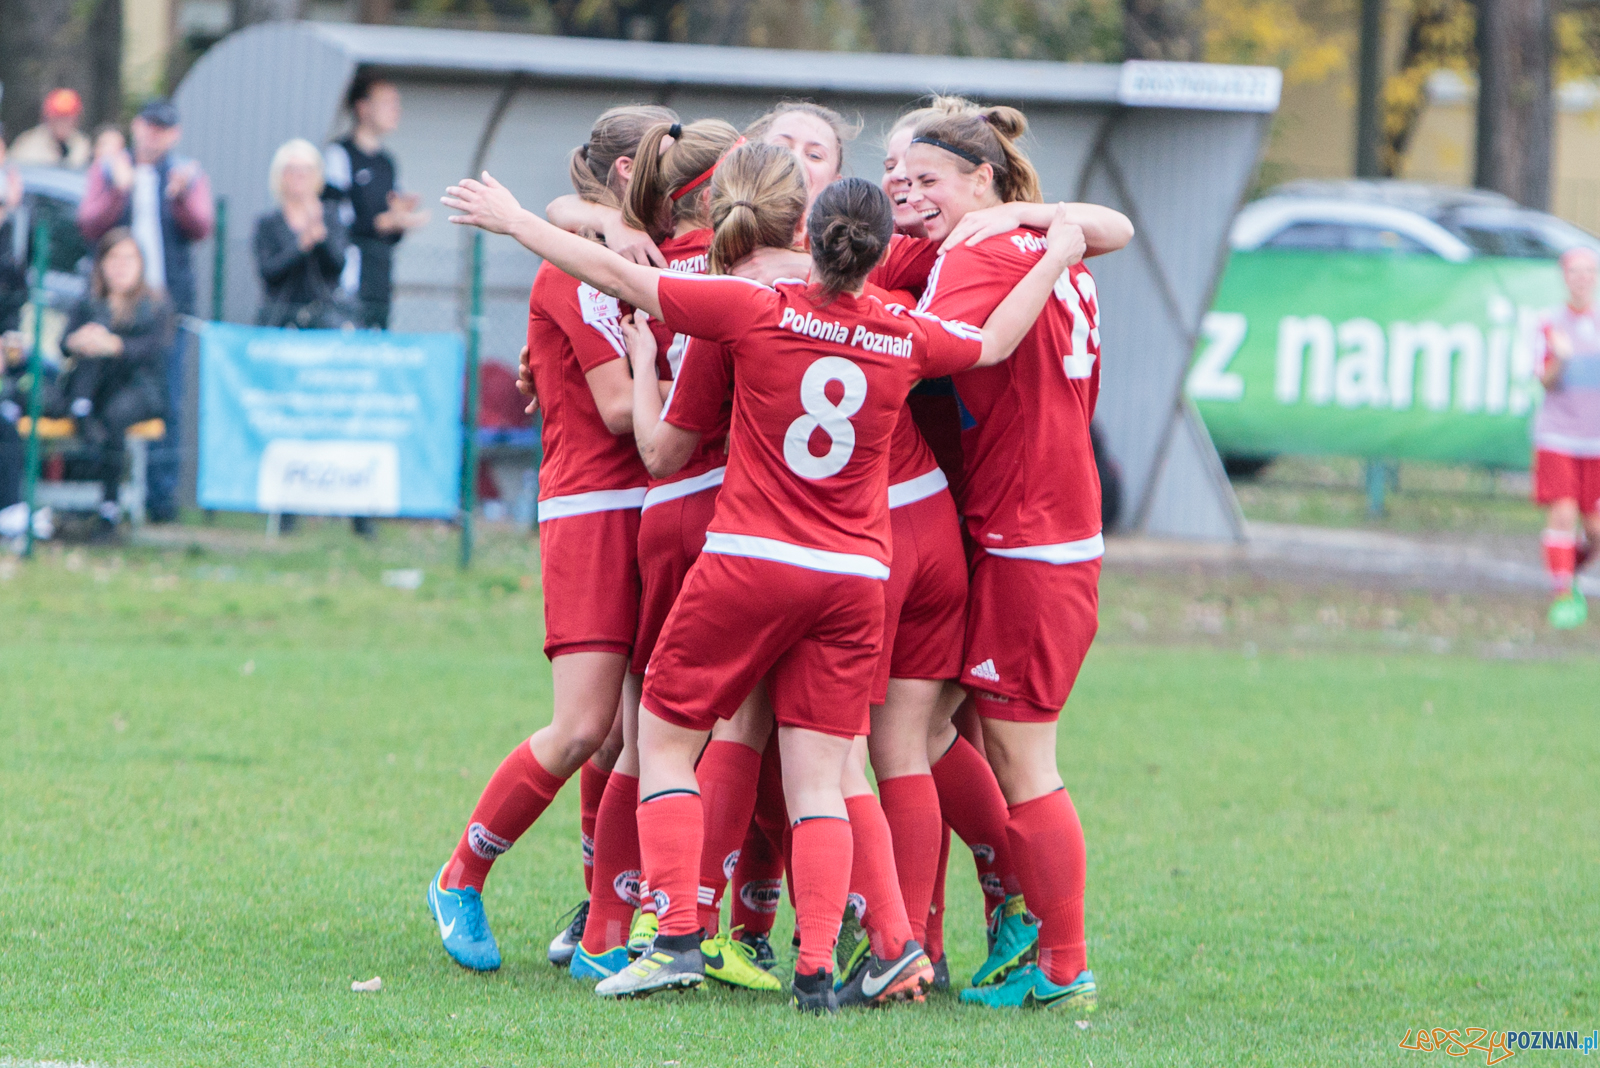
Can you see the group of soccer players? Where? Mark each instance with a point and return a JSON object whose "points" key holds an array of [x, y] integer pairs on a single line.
{"points": [[817, 488]]}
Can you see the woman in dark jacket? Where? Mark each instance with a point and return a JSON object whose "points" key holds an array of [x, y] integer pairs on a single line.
{"points": [[118, 338], [300, 247]]}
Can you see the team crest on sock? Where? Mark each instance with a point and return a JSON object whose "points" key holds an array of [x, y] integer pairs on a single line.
{"points": [[762, 895], [486, 844], [626, 884], [730, 862]]}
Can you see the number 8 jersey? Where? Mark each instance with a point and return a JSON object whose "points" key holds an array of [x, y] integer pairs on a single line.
{"points": [[818, 385]]}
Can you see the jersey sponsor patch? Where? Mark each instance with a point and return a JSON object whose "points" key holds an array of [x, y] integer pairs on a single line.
{"points": [[597, 306], [485, 843]]}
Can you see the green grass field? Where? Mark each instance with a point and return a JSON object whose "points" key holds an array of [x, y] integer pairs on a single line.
{"points": [[226, 777]]}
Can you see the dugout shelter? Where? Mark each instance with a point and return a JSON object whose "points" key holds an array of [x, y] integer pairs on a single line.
{"points": [[1175, 146]]}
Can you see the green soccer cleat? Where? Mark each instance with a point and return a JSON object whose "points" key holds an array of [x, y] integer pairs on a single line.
{"points": [[669, 967], [730, 961], [852, 943], [1029, 988], [1014, 938], [643, 934], [1569, 610]]}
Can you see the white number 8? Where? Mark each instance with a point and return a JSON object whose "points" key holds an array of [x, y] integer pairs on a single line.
{"points": [[834, 419]]}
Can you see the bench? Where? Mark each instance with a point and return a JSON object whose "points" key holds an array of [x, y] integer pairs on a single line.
{"points": [[59, 434]]}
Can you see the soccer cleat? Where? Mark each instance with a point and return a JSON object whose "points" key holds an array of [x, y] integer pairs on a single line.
{"points": [[730, 961], [1029, 988], [565, 944], [763, 956], [1014, 939], [876, 982], [463, 927], [1569, 610], [814, 993], [941, 975], [642, 934], [594, 967], [847, 950], [663, 968]]}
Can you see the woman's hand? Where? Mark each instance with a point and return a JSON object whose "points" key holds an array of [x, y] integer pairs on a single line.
{"points": [[93, 339], [982, 224], [488, 205], [641, 343], [1066, 239], [633, 245], [525, 384]]}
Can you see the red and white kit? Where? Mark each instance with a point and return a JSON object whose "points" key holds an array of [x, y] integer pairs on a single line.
{"points": [[790, 578], [1566, 430], [591, 482], [1031, 496], [678, 508]]}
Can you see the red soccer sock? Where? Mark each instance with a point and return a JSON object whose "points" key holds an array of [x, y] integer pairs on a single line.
{"points": [[591, 787], [615, 891], [974, 807], [671, 826], [1047, 840], [518, 793], [1560, 558], [758, 876], [935, 943], [821, 884], [727, 774], [911, 806], [873, 876]]}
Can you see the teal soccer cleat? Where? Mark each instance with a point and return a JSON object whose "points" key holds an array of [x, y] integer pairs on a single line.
{"points": [[1029, 988], [598, 966], [463, 927], [1013, 940]]}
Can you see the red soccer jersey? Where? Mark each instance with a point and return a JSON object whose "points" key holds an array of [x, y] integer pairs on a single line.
{"points": [[572, 329], [906, 263], [911, 462], [1031, 489], [817, 390]]}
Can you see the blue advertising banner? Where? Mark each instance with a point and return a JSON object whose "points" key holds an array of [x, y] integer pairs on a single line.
{"points": [[330, 422]]}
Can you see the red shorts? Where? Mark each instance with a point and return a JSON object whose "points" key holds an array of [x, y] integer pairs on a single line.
{"points": [[815, 635], [925, 599], [671, 535], [1029, 626], [589, 565], [1557, 476]]}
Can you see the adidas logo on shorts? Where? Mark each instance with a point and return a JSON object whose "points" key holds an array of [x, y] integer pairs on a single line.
{"points": [[985, 671]]}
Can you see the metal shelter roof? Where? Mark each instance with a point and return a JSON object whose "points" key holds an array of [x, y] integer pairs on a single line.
{"points": [[1173, 145]]}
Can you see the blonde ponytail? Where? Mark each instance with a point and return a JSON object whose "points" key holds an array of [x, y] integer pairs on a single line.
{"points": [[615, 134], [758, 198], [666, 179]]}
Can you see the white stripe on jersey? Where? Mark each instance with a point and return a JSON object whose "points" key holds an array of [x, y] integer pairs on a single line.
{"points": [[684, 487], [1567, 445], [783, 552], [1066, 552], [932, 284], [587, 503], [965, 331], [913, 490]]}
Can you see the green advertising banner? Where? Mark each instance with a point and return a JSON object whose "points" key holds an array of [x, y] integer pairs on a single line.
{"points": [[1376, 356]]}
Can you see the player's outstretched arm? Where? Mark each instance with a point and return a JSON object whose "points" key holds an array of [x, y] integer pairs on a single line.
{"points": [[1104, 229], [490, 206], [664, 448], [1011, 321]]}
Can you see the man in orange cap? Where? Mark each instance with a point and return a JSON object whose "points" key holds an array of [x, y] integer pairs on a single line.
{"points": [[57, 141]]}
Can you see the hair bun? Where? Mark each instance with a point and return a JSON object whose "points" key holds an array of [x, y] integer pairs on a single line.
{"points": [[1005, 121]]}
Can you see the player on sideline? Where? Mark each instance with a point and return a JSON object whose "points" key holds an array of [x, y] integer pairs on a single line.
{"points": [[1566, 435], [1031, 501], [591, 487], [817, 368]]}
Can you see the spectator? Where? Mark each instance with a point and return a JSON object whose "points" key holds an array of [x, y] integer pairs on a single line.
{"points": [[117, 338], [57, 141], [300, 247], [13, 247], [362, 180], [166, 201]]}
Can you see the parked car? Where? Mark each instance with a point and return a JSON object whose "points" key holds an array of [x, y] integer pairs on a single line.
{"points": [[51, 196]]}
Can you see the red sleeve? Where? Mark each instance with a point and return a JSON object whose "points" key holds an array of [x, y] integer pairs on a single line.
{"points": [[944, 347], [590, 320], [705, 378], [101, 206], [967, 285], [194, 211], [906, 264], [715, 307]]}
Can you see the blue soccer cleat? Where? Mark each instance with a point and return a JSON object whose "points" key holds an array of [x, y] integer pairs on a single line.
{"points": [[463, 927], [1013, 940], [594, 967], [1029, 988]]}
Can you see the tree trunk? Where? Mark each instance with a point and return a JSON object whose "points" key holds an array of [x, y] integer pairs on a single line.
{"points": [[1516, 112], [719, 22], [49, 44], [1162, 29]]}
